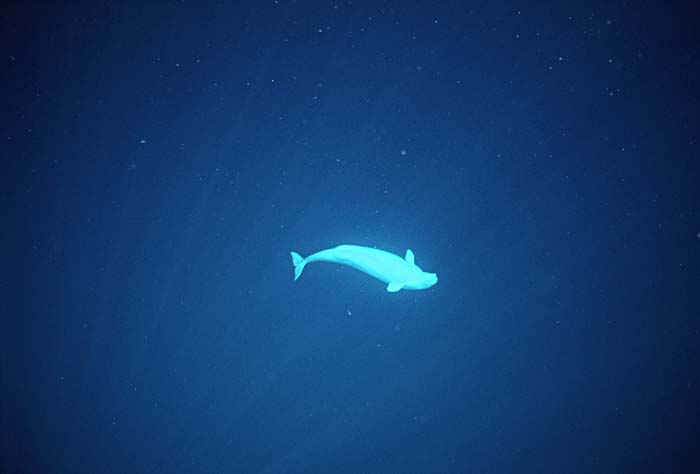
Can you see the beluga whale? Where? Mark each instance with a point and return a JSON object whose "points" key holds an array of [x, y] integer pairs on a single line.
{"points": [[399, 273]]}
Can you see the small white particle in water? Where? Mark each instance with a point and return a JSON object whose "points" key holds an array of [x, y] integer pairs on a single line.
{"points": [[403, 152], [142, 141], [349, 313]]}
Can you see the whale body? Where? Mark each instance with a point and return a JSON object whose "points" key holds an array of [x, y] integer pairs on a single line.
{"points": [[399, 273]]}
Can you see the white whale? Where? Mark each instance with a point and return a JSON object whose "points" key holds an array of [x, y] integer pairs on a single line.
{"points": [[399, 273]]}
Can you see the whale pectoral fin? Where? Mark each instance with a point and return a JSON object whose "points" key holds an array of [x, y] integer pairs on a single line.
{"points": [[409, 257], [393, 287]]}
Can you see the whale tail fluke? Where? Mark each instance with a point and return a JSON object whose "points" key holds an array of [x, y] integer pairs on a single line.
{"points": [[299, 263]]}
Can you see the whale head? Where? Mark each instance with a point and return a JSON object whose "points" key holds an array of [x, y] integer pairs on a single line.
{"points": [[427, 280], [421, 280]]}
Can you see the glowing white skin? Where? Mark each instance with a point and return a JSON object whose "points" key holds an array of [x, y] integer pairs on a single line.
{"points": [[396, 271]]}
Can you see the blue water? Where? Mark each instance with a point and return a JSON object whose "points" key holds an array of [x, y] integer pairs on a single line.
{"points": [[160, 161]]}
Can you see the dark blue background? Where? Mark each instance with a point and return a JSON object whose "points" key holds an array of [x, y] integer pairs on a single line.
{"points": [[161, 160]]}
